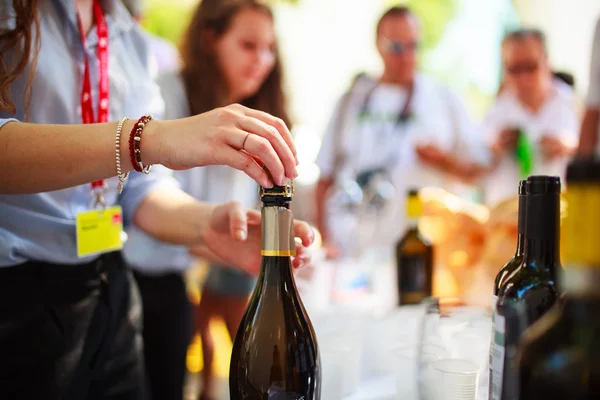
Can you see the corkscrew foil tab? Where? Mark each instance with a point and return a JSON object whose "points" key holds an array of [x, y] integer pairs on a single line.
{"points": [[283, 191], [286, 190]]}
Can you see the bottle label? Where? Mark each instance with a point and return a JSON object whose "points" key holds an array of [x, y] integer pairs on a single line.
{"points": [[412, 278], [497, 362], [278, 232], [491, 355]]}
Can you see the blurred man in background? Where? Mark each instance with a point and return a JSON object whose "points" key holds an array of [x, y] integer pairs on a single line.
{"points": [[534, 104], [402, 124], [590, 127]]}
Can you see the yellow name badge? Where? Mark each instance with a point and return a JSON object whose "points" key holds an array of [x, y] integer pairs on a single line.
{"points": [[99, 231]]}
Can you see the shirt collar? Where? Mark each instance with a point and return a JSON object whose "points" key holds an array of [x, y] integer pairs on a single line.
{"points": [[117, 17]]}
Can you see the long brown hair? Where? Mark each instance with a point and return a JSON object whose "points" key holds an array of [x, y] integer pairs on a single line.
{"points": [[204, 82], [24, 40]]}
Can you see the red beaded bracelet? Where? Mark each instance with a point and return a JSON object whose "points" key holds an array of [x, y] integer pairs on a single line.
{"points": [[135, 139]]}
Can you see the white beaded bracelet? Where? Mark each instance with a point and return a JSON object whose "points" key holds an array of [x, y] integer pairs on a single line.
{"points": [[122, 177]]}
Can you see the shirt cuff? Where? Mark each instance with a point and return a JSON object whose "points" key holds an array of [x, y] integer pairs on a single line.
{"points": [[4, 121], [140, 185]]}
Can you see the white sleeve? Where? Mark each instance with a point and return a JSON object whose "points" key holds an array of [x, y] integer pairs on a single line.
{"points": [[470, 142], [593, 97], [494, 121], [327, 154], [565, 122], [4, 121]]}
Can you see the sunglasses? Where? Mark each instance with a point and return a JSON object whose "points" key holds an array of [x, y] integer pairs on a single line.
{"points": [[523, 68], [398, 48]]}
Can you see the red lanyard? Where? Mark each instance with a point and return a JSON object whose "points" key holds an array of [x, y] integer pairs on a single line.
{"points": [[87, 109]]}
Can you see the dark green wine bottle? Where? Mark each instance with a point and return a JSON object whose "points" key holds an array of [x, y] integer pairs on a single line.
{"points": [[517, 260], [559, 356], [275, 353], [532, 287], [497, 342]]}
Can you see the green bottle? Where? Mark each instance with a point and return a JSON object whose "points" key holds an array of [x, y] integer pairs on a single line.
{"points": [[525, 154]]}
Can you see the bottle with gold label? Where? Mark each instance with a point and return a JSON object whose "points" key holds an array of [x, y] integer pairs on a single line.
{"points": [[414, 257], [559, 356], [275, 354]]}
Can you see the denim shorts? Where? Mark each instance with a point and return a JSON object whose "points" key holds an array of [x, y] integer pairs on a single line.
{"points": [[229, 281]]}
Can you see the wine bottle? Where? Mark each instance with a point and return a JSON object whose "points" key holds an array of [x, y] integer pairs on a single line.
{"points": [[517, 260], [559, 356], [275, 354], [532, 287], [508, 268], [414, 257]]}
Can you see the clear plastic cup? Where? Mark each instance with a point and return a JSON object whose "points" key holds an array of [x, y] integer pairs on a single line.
{"points": [[455, 379], [413, 366], [333, 362]]}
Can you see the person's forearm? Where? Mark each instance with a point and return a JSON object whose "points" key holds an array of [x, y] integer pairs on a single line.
{"points": [[41, 157], [173, 216], [589, 132], [204, 253], [320, 196], [465, 171]]}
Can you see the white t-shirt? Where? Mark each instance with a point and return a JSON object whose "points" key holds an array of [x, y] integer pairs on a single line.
{"points": [[370, 138], [557, 117], [593, 97]]}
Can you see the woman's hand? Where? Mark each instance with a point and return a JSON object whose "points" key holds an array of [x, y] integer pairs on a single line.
{"points": [[232, 135], [234, 237]]}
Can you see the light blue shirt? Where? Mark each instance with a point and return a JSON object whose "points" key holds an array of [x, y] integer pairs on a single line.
{"points": [[213, 184], [42, 226]]}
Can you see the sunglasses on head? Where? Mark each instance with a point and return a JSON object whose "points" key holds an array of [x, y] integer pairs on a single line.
{"points": [[398, 48], [523, 68]]}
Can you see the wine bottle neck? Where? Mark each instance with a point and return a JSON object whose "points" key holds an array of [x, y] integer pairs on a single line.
{"points": [[277, 247], [542, 254], [542, 244], [277, 231], [412, 223], [520, 245], [522, 221]]}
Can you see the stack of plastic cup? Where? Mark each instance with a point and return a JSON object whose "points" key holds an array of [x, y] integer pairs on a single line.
{"points": [[455, 379], [333, 362]]}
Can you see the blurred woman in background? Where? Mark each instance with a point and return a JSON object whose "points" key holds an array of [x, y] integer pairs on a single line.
{"points": [[229, 55]]}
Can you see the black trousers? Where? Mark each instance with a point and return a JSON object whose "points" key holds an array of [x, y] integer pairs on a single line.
{"points": [[167, 333], [70, 331]]}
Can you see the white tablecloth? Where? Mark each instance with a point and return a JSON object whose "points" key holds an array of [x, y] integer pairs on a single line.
{"points": [[338, 306]]}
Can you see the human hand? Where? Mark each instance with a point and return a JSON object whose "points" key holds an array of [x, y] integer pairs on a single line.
{"points": [[552, 147], [233, 236], [506, 142], [432, 155], [234, 135]]}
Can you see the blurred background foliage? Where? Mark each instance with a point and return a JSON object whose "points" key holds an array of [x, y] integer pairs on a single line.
{"points": [[168, 19]]}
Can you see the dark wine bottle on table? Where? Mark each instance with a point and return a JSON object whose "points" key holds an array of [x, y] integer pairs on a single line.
{"points": [[517, 260], [275, 353], [414, 257], [532, 287], [559, 355], [507, 270]]}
